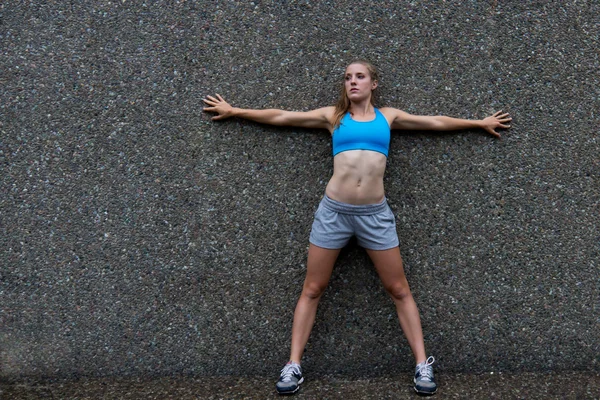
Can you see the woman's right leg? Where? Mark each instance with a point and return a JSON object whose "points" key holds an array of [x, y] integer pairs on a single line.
{"points": [[319, 267]]}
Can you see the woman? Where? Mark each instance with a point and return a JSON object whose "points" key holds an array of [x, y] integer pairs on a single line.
{"points": [[355, 205]]}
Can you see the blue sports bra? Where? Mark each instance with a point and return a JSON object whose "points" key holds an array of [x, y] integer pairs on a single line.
{"points": [[357, 135]]}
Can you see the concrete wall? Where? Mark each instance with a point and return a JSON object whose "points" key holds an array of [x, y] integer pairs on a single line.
{"points": [[140, 238]]}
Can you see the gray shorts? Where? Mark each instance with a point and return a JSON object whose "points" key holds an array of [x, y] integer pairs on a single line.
{"points": [[335, 223]]}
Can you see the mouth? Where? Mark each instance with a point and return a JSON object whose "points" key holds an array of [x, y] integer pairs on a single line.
{"points": [[354, 90]]}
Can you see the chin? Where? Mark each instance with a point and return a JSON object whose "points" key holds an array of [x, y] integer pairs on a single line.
{"points": [[356, 96]]}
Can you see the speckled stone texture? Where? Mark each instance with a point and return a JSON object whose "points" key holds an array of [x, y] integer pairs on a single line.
{"points": [[138, 238], [500, 386]]}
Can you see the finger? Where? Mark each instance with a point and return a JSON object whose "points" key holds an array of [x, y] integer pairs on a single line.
{"points": [[503, 115], [212, 103], [218, 117], [497, 113], [504, 126], [212, 98], [505, 120], [208, 108], [220, 98], [493, 132]]}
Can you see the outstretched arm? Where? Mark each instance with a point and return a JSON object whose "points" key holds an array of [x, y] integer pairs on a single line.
{"points": [[319, 118], [406, 121]]}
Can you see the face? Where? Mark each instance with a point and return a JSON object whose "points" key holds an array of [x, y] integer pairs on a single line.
{"points": [[358, 82]]}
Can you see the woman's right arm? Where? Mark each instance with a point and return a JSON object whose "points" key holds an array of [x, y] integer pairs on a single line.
{"points": [[319, 118]]}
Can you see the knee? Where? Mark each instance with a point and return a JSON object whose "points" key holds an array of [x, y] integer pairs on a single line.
{"points": [[313, 290], [399, 291]]}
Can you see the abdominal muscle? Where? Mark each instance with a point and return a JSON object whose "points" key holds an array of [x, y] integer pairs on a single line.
{"points": [[357, 177]]}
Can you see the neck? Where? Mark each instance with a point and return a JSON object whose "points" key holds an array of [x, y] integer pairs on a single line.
{"points": [[362, 108]]}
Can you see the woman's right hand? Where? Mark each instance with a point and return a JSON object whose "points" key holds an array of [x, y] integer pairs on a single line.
{"points": [[218, 105]]}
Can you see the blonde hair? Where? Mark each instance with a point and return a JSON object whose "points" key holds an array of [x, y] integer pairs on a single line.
{"points": [[343, 104]]}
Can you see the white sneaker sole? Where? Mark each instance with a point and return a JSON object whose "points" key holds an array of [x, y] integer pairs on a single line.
{"points": [[424, 392], [293, 391]]}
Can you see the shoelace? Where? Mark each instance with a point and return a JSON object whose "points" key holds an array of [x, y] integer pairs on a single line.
{"points": [[425, 370], [289, 371]]}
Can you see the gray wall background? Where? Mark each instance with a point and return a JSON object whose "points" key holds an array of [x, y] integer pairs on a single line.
{"points": [[140, 238]]}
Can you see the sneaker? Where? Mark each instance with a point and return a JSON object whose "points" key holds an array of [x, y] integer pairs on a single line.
{"points": [[290, 379], [424, 380]]}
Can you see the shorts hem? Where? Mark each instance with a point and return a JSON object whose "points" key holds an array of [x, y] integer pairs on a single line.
{"points": [[382, 247], [327, 246]]}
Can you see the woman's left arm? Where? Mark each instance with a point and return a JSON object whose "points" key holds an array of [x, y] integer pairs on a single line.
{"points": [[405, 121]]}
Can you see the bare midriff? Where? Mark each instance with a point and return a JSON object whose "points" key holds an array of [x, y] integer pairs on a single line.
{"points": [[357, 177]]}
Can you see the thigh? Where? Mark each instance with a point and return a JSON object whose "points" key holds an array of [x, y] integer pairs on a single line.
{"points": [[388, 264], [319, 264]]}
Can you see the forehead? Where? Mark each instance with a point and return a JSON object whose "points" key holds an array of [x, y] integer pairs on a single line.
{"points": [[357, 68]]}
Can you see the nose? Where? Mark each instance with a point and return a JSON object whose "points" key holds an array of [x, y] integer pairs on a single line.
{"points": [[353, 80]]}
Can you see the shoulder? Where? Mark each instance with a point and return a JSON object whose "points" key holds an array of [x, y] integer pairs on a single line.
{"points": [[393, 114], [317, 118], [329, 111], [322, 113]]}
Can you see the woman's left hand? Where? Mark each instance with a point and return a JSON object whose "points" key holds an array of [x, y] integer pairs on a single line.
{"points": [[218, 105], [493, 122]]}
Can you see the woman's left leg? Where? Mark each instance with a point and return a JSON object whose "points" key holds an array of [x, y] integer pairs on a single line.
{"points": [[388, 264]]}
